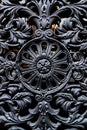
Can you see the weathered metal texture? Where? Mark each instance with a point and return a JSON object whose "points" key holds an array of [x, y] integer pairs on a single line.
{"points": [[43, 65]]}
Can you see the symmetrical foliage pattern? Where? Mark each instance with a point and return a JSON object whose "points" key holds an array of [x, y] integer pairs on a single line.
{"points": [[43, 65]]}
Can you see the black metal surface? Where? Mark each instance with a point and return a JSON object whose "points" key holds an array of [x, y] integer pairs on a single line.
{"points": [[43, 65]]}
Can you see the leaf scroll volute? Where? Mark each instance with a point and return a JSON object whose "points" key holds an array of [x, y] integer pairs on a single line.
{"points": [[16, 128]]}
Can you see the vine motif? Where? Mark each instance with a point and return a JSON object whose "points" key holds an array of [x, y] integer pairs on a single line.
{"points": [[43, 65]]}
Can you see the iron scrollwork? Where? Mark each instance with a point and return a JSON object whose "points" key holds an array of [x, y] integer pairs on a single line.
{"points": [[43, 65]]}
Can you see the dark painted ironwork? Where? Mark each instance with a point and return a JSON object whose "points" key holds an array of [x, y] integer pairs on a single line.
{"points": [[43, 65]]}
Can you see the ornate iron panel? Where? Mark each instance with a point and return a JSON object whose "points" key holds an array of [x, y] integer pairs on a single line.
{"points": [[43, 65]]}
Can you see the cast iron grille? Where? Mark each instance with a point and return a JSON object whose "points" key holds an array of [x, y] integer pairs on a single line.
{"points": [[43, 65]]}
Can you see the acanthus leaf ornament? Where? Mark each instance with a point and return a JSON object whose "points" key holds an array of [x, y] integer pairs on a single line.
{"points": [[43, 65]]}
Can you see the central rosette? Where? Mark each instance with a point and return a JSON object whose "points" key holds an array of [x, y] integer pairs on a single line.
{"points": [[43, 65]]}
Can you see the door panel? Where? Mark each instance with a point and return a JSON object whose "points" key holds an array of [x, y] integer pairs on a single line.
{"points": [[43, 65]]}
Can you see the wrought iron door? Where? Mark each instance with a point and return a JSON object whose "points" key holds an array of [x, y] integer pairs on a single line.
{"points": [[43, 65]]}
